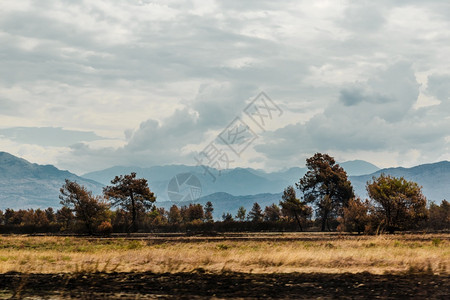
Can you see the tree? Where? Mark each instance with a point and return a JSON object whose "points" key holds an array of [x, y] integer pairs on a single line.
{"points": [[208, 211], [8, 216], [241, 213], [40, 218], [440, 215], [15, 217], [401, 202], [119, 220], [50, 213], [293, 207], [90, 210], [174, 216], [227, 217], [255, 215], [272, 213], [356, 215], [194, 212], [132, 195], [28, 217], [327, 186], [105, 228], [156, 217], [65, 217]]}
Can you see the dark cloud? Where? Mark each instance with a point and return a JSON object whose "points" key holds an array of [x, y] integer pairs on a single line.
{"points": [[351, 96], [373, 116], [390, 94]]}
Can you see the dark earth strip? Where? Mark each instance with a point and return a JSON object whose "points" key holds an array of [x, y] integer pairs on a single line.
{"points": [[200, 285]]}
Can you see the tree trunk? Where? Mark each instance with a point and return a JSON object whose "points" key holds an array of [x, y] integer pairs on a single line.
{"points": [[298, 221], [133, 214], [324, 220]]}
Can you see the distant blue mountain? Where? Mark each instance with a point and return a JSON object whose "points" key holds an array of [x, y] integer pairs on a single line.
{"points": [[237, 182], [27, 185], [434, 178], [358, 167]]}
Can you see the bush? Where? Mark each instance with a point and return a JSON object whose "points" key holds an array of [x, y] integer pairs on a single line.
{"points": [[105, 228]]}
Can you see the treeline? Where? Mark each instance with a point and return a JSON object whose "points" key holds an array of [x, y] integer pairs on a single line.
{"points": [[198, 218], [327, 202], [194, 217]]}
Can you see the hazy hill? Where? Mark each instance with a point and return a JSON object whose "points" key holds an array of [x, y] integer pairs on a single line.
{"points": [[358, 167], [237, 182], [27, 185], [434, 178]]}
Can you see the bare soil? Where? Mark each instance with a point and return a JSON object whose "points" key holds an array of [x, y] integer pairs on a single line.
{"points": [[201, 285]]}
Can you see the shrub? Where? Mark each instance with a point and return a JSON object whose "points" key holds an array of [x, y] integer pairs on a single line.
{"points": [[105, 228]]}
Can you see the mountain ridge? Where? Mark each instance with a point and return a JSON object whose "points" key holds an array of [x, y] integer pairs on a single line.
{"points": [[29, 185], [433, 177]]}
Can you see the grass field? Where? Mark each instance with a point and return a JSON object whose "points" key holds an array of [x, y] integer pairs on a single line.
{"points": [[252, 253]]}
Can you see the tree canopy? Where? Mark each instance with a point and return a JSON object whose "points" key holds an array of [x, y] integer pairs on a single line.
{"points": [[256, 214], [209, 211], [88, 209], [400, 201], [326, 185], [132, 194], [293, 207]]}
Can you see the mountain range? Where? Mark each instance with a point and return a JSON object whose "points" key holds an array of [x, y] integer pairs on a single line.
{"points": [[434, 179], [27, 185], [237, 182]]}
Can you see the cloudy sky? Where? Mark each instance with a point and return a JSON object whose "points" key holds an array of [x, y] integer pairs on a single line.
{"points": [[86, 85]]}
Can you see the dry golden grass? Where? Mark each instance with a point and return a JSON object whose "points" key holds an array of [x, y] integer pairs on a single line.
{"points": [[328, 254]]}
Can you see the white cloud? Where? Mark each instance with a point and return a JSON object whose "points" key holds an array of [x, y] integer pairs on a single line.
{"points": [[161, 78]]}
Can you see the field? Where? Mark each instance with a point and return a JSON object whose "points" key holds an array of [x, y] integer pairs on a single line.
{"points": [[289, 265]]}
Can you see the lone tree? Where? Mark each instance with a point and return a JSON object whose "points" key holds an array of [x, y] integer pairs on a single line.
{"points": [[272, 213], [293, 207], [401, 202], [240, 215], [327, 186], [174, 215], [132, 194], [209, 211], [88, 209], [256, 214]]}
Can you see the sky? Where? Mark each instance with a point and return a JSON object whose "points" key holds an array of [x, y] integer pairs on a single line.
{"points": [[86, 85]]}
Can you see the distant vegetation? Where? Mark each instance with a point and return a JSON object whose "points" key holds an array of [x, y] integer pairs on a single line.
{"points": [[327, 203]]}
